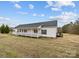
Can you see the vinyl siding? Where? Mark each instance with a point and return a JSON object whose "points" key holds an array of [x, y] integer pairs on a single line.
{"points": [[51, 32]]}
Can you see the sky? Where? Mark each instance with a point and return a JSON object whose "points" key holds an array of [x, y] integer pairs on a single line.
{"points": [[14, 13]]}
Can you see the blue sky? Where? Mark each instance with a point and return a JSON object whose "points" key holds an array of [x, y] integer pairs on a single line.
{"points": [[14, 13]]}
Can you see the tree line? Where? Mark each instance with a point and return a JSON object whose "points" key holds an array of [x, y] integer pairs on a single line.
{"points": [[72, 28], [4, 29]]}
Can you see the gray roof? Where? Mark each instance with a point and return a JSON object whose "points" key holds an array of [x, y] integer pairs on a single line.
{"points": [[43, 24]]}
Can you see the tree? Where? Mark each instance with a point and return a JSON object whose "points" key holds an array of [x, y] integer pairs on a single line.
{"points": [[2, 28], [65, 28], [72, 28], [77, 21], [75, 29], [7, 29]]}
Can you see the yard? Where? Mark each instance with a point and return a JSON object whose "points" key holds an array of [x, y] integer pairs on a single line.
{"points": [[17, 46]]}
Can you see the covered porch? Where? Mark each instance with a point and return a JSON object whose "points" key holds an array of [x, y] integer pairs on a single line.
{"points": [[33, 32]]}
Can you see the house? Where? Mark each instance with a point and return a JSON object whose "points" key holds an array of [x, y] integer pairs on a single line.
{"points": [[40, 29]]}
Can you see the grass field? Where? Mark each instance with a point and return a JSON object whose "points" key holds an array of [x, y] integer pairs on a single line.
{"points": [[17, 46]]}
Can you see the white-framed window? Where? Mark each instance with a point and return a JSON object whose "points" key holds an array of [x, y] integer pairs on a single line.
{"points": [[35, 31], [25, 30], [22, 30], [19, 30], [43, 31]]}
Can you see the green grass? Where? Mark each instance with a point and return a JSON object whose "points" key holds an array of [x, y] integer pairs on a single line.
{"points": [[17, 46]]}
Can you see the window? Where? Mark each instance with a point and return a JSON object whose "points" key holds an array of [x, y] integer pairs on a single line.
{"points": [[43, 31], [22, 30], [35, 31], [19, 30], [25, 30]]}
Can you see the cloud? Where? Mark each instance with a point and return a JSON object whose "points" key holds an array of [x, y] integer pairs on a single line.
{"points": [[39, 15], [7, 18], [4, 18], [8, 21], [23, 13], [42, 15], [17, 5], [50, 3], [31, 6], [64, 3], [34, 14], [50, 17], [57, 5], [56, 9], [66, 17]]}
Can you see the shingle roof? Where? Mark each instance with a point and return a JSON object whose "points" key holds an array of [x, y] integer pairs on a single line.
{"points": [[43, 24]]}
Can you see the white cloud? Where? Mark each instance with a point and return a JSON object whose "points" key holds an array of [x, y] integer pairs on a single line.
{"points": [[64, 3], [17, 5], [39, 15], [1, 18], [50, 17], [60, 3], [57, 5], [31, 6], [42, 15], [7, 18], [50, 3], [34, 14], [23, 13], [56, 9], [4, 18], [66, 17]]}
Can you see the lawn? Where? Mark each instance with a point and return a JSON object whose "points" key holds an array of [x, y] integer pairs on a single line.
{"points": [[17, 46]]}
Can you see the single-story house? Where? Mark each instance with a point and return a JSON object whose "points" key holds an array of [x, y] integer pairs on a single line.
{"points": [[40, 29]]}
